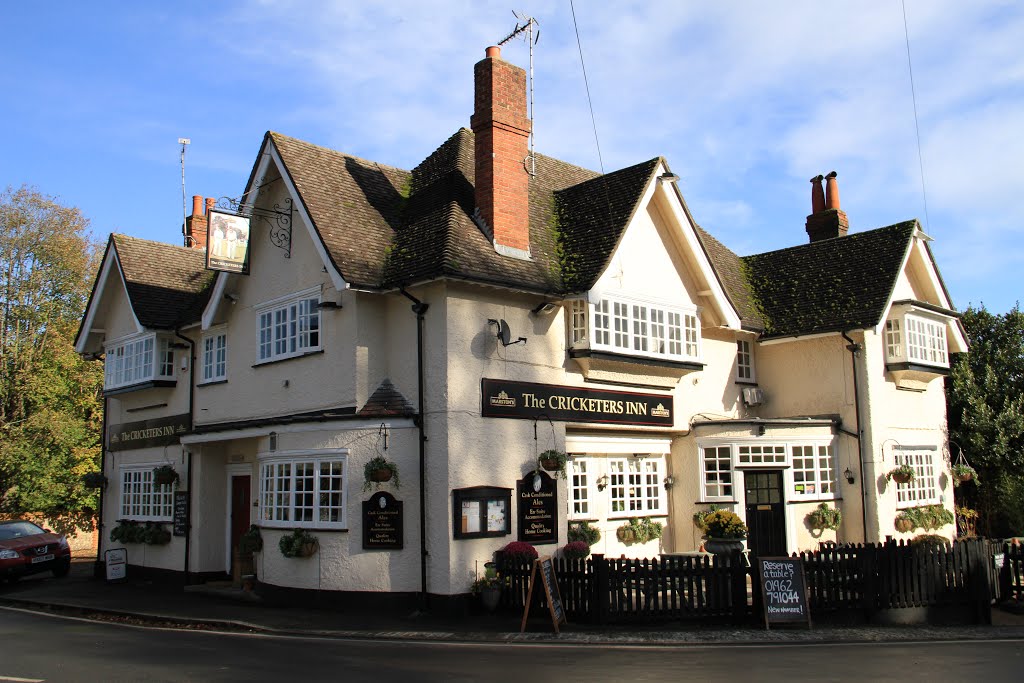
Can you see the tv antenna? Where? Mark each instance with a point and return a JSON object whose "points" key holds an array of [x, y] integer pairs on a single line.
{"points": [[525, 25], [184, 142]]}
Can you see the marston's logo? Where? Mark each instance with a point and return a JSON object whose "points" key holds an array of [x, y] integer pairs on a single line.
{"points": [[502, 399], [660, 411]]}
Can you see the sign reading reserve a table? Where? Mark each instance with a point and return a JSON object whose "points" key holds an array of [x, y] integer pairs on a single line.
{"points": [[531, 401], [783, 590]]}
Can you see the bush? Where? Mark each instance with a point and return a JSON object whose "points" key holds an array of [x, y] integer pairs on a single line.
{"points": [[576, 550], [582, 531], [520, 550], [929, 541]]}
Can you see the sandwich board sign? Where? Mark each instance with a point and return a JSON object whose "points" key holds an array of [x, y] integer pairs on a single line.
{"points": [[117, 564], [783, 590]]}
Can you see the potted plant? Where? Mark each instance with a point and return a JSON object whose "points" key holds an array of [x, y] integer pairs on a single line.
{"points": [[824, 517], [582, 531], [94, 480], [488, 587], [962, 472], [155, 534], [725, 532], [575, 550], [251, 541], [299, 543], [553, 461], [165, 475], [904, 474], [700, 515], [520, 551], [379, 470], [903, 523], [639, 530]]}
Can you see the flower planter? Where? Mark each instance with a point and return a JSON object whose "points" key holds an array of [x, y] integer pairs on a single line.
{"points": [[549, 464], [723, 546], [490, 596], [308, 549], [381, 475], [901, 478], [904, 525]]}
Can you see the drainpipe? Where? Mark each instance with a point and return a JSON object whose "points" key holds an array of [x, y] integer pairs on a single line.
{"points": [[99, 570], [188, 477], [854, 348], [420, 309]]}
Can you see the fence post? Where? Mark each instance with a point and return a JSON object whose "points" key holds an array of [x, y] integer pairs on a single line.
{"points": [[599, 589], [867, 568], [738, 576]]}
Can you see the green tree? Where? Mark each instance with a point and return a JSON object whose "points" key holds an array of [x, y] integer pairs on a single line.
{"points": [[50, 398], [985, 401]]}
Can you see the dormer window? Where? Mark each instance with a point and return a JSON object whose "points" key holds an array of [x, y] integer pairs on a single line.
{"points": [[636, 328], [138, 360], [916, 339]]}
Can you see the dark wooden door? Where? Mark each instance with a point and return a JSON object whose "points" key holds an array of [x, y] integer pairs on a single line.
{"points": [[766, 512], [241, 504]]}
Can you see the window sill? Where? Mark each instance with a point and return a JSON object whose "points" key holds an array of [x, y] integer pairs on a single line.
{"points": [[150, 384], [289, 526], [639, 514], [804, 501], [717, 501], [273, 361], [211, 383], [746, 382]]}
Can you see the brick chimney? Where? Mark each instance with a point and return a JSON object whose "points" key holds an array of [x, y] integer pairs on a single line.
{"points": [[827, 220], [502, 131], [196, 231]]}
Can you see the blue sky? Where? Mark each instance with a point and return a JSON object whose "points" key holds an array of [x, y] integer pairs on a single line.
{"points": [[746, 101]]}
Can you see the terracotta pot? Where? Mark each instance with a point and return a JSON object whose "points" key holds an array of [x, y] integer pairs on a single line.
{"points": [[381, 475]]}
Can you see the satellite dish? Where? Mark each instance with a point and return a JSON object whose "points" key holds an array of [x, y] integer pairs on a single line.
{"points": [[504, 334]]}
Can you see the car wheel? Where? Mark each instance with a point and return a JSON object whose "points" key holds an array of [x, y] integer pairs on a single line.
{"points": [[61, 570]]}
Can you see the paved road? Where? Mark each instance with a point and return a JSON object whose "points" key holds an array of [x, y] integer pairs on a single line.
{"points": [[46, 648]]}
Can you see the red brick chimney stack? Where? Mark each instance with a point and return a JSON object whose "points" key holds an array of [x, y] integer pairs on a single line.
{"points": [[196, 231], [827, 220], [502, 131]]}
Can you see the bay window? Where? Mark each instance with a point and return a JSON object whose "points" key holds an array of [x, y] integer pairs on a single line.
{"points": [[144, 358], [917, 337], [638, 328]]}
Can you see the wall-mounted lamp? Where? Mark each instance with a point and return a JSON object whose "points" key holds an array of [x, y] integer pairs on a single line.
{"points": [[233, 298], [504, 334], [669, 482], [602, 482], [849, 475], [273, 441], [761, 429], [668, 178], [544, 307]]}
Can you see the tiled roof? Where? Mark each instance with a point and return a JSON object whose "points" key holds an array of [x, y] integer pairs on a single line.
{"points": [[167, 285], [387, 401], [729, 269], [831, 285]]}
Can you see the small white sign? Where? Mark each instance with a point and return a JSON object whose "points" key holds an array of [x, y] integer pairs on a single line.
{"points": [[999, 559], [117, 564]]}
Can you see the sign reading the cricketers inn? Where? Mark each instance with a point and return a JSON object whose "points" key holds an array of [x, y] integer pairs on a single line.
{"points": [[530, 401], [160, 431]]}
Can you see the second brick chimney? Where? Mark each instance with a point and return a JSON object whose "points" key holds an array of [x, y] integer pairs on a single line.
{"points": [[196, 226], [502, 131], [827, 220]]}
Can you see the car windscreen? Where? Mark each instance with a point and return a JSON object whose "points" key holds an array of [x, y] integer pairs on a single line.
{"points": [[17, 530]]}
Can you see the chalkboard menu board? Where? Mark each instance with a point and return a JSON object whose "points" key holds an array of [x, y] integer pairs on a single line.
{"points": [[537, 498], [783, 590], [545, 569], [382, 522], [180, 513]]}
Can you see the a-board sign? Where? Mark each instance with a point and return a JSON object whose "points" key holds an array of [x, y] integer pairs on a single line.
{"points": [[382, 522], [537, 504], [783, 590], [545, 569], [180, 513], [116, 561]]}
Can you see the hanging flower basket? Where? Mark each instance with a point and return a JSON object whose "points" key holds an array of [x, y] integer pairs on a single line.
{"points": [[904, 524], [298, 543], [553, 461], [165, 475], [962, 472], [379, 470], [94, 480], [904, 474]]}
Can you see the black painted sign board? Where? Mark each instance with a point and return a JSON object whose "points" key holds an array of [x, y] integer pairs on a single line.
{"points": [[180, 513], [537, 499], [382, 522], [159, 431], [532, 401], [545, 569], [783, 590]]}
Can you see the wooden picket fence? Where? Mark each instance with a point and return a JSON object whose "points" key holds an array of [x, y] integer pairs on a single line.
{"points": [[1012, 574], [867, 578]]}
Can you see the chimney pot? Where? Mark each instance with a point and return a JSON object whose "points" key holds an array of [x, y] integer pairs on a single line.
{"points": [[210, 202], [197, 205], [817, 194], [493, 52], [831, 191]]}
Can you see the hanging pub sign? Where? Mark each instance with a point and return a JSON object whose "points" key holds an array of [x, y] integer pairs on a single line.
{"points": [[160, 431], [531, 401], [227, 247], [537, 498], [382, 522]]}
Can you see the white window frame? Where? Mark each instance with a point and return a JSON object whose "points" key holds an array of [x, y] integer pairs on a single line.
{"points": [[215, 357], [289, 327], [137, 359], [637, 327], [718, 483], [138, 499], [639, 486], [582, 487], [281, 482], [818, 477], [721, 459], [745, 361], [914, 337], [923, 489]]}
